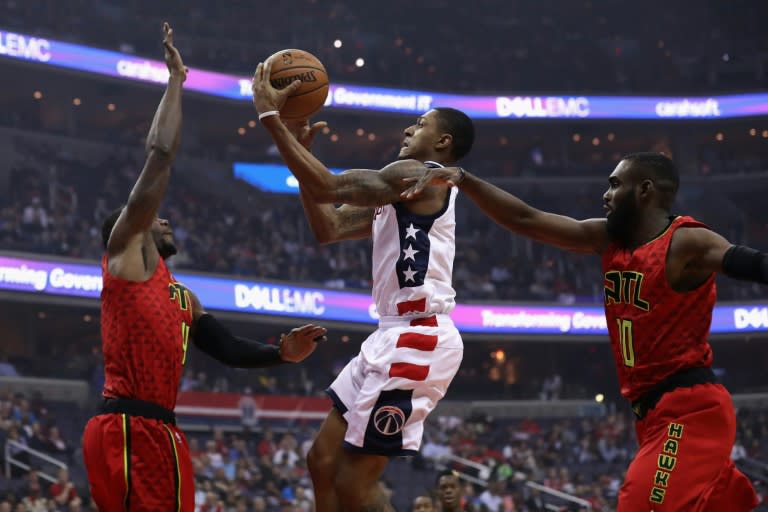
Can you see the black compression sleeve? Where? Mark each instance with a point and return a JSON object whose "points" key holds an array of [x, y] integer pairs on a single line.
{"points": [[214, 339], [740, 262]]}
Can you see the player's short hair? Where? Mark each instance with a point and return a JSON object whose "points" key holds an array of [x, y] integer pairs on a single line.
{"points": [[427, 495], [460, 127], [109, 224], [659, 168], [446, 472]]}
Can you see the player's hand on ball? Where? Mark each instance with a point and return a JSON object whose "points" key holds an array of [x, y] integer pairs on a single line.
{"points": [[303, 132], [172, 56], [442, 176], [300, 342], [265, 97]]}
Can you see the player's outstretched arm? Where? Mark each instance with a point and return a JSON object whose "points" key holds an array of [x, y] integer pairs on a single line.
{"points": [[162, 144], [514, 214], [701, 252], [213, 338]]}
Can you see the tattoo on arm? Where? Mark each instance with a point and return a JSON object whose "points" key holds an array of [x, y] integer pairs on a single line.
{"points": [[375, 188], [354, 221]]}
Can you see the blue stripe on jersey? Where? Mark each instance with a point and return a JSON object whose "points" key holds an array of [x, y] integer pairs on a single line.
{"points": [[412, 265], [413, 229]]}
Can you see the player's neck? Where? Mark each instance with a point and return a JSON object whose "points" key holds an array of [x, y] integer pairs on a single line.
{"points": [[440, 159], [650, 226]]}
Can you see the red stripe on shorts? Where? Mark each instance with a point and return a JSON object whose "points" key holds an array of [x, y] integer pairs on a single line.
{"points": [[429, 321], [409, 371], [412, 306], [418, 341]]}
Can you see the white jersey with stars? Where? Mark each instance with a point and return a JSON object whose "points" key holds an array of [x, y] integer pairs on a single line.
{"points": [[413, 259]]}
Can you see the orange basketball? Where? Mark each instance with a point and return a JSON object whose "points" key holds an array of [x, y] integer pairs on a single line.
{"points": [[291, 65]]}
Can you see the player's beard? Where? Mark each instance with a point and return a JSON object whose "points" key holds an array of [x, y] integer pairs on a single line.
{"points": [[166, 249], [622, 220]]}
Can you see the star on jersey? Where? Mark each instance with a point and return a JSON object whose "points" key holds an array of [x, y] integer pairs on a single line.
{"points": [[409, 274], [411, 231], [410, 253]]}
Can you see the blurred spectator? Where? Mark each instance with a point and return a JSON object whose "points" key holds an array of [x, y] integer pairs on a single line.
{"points": [[34, 501], [63, 491], [6, 368]]}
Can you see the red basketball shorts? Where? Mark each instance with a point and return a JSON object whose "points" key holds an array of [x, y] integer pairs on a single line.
{"points": [[138, 464], [684, 458]]}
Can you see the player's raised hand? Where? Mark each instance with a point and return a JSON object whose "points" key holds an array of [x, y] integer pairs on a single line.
{"points": [[265, 97], [304, 132], [442, 176], [300, 342], [172, 56]]}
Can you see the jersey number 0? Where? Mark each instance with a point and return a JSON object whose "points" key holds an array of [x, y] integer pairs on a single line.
{"points": [[626, 340]]}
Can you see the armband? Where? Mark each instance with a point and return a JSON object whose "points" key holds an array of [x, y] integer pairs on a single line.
{"points": [[740, 262]]}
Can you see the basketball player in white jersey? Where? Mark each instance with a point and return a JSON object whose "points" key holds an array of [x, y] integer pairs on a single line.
{"points": [[383, 395]]}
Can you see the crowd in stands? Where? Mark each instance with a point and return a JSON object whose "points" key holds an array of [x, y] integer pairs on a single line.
{"points": [[264, 470], [28, 421], [548, 46]]}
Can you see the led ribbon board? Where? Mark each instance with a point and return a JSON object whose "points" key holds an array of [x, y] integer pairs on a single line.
{"points": [[58, 278], [380, 99]]}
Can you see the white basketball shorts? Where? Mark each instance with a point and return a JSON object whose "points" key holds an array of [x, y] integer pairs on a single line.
{"points": [[386, 392]]}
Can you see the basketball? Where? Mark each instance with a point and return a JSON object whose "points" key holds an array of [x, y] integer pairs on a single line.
{"points": [[291, 65]]}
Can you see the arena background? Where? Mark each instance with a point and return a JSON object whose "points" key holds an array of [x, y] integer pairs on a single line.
{"points": [[559, 91]]}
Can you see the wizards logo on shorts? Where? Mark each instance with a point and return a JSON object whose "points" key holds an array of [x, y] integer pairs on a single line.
{"points": [[389, 420], [384, 433]]}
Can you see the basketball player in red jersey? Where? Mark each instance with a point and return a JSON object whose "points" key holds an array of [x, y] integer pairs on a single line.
{"points": [[659, 295], [136, 457]]}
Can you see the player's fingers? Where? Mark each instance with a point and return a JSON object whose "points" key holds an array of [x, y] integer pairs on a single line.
{"points": [[316, 335], [266, 70], [293, 87], [423, 182], [307, 329], [257, 73], [317, 127], [315, 331]]}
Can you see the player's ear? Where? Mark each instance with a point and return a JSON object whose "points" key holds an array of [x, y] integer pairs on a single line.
{"points": [[646, 187], [445, 140]]}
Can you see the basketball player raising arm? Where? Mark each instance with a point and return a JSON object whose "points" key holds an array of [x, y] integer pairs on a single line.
{"points": [[382, 397], [659, 296], [147, 320]]}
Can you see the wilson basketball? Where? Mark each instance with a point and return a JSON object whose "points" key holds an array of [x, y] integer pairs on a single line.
{"points": [[291, 65]]}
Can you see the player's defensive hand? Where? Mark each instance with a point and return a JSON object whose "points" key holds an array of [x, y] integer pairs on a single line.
{"points": [[265, 97], [303, 132], [172, 56], [442, 176], [300, 342]]}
